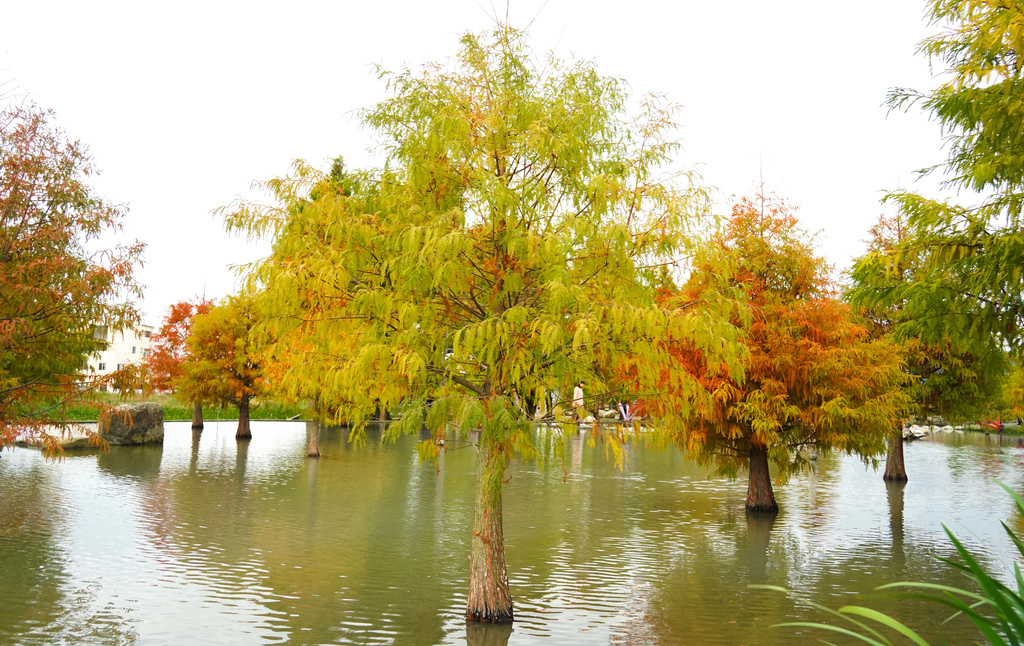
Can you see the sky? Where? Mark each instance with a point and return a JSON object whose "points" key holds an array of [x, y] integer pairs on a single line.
{"points": [[184, 105]]}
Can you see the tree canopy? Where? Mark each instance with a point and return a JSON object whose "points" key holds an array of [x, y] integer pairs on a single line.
{"points": [[168, 347], [223, 363], [813, 377], [54, 286], [511, 243], [969, 287], [954, 379]]}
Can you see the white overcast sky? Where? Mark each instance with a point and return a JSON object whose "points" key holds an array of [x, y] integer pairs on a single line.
{"points": [[184, 104]]}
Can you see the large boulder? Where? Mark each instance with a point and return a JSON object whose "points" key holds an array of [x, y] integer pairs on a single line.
{"points": [[141, 423]]}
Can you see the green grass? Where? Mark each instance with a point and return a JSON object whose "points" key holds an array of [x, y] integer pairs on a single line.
{"points": [[175, 411]]}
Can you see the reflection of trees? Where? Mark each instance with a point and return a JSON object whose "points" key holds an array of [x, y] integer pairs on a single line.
{"points": [[367, 542], [197, 435], [355, 531], [755, 552], [698, 575], [480, 634], [31, 567], [894, 492]]}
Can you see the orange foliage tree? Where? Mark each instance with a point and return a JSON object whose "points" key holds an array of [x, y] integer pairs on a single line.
{"points": [[169, 351], [814, 376], [223, 365], [55, 285]]}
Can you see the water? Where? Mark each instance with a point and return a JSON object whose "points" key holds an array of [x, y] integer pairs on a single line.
{"points": [[209, 541]]}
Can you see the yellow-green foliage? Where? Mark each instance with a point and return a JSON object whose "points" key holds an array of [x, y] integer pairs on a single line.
{"points": [[224, 365], [968, 290], [513, 241]]}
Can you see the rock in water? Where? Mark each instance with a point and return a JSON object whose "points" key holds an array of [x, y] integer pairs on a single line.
{"points": [[141, 423]]}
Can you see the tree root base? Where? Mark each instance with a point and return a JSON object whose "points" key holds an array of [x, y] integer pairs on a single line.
{"points": [[772, 508], [490, 617]]}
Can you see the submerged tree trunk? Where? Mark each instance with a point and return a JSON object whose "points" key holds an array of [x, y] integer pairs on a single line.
{"points": [[243, 432], [760, 497], [314, 441], [197, 416], [489, 597], [895, 469]]}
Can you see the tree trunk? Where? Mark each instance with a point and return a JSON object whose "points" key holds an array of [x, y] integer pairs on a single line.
{"points": [[314, 441], [760, 497], [197, 416], [895, 469], [243, 432], [489, 597]]}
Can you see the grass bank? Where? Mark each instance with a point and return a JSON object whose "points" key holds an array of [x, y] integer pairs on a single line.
{"points": [[175, 411]]}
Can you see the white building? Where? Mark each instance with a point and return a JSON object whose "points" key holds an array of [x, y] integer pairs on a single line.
{"points": [[122, 348]]}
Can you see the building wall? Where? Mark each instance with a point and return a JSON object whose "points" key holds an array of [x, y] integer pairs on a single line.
{"points": [[123, 347]]}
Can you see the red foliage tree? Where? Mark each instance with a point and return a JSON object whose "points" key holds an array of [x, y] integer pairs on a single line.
{"points": [[169, 351], [54, 286], [224, 364], [168, 348], [813, 377]]}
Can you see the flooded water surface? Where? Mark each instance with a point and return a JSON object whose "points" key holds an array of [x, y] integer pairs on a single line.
{"points": [[206, 540]]}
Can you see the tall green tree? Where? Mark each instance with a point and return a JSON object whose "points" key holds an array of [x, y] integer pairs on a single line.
{"points": [[223, 363], [814, 377], [55, 286], [953, 379], [510, 243], [969, 288]]}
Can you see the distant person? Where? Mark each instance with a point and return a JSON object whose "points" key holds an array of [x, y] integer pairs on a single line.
{"points": [[626, 412], [577, 401]]}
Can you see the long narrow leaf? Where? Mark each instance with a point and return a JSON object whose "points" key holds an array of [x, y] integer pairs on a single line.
{"points": [[836, 629], [1016, 498], [933, 586], [1009, 607], [886, 621]]}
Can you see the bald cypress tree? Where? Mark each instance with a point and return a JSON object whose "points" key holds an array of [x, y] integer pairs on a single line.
{"points": [[512, 242], [969, 251]]}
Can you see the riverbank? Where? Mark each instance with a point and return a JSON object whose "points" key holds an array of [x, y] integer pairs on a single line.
{"points": [[175, 411], [917, 431]]}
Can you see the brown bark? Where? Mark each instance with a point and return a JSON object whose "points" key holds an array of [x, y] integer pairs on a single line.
{"points": [[314, 441], [489, 597], [243, 432], [197, 416], [895, 469], [760, 497]]}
